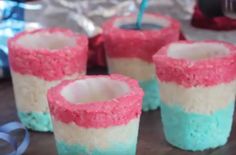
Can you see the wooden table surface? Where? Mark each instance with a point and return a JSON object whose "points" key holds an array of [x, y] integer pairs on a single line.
{"points": [[150, 142]]}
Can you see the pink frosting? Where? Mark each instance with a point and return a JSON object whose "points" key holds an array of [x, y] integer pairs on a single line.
{"points": [[113, 112], [143, 44], [45, 63], [191, 73]]}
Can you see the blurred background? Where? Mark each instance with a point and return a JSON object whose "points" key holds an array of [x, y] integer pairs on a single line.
{"points": [[201, 19]]}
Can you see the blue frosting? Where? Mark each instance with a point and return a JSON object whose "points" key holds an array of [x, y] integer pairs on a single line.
{"points": [[116, 149], [38, 121], [151, 100], [196, 132]]}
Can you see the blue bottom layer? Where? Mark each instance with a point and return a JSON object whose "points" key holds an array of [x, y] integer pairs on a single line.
{"points": [[36, 121], [151, 100], [196, 132], [117, 149]]}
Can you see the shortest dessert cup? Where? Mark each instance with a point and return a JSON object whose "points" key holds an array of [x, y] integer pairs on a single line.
{"points": [[96, 115], [197, 90]]}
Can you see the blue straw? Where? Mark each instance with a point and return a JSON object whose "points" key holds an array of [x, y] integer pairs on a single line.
{"points": [[142, 8]]}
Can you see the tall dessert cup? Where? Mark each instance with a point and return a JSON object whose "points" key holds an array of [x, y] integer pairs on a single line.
{"points": [[39, 60]]}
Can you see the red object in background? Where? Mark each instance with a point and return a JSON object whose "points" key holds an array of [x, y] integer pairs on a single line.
{"points": [[199, 20], [181, 36], [96, 51]]}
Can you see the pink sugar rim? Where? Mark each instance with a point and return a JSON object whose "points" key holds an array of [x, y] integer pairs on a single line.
{"points": [[81, 40], [56, 100], [77, 50], [110, 28], [161, 57], [109, 25]]}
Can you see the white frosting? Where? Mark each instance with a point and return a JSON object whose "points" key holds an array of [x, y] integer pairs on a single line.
{"points": [[96, 137], [45, 40], [132, 67], [205, 100], [31, 91], [197, 51], [94, 90]]}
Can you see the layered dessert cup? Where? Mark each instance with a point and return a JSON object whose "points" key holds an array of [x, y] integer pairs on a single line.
{"points": [[197, 91], [129, 51], [96, 115], [39, 60]]}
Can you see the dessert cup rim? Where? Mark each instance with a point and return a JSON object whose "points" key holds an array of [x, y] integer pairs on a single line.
{"points": [[110, 25], [80, 41], [163, 52], [202, 72], [56, 99]]}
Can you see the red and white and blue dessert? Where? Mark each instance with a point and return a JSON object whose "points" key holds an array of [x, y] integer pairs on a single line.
{"points": [[197, 83], [129, 50], [39, 60], [96, 115]]}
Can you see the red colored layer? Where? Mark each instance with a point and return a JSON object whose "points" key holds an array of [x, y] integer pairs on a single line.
{"points": [[189, 73], [221, 23], [141, 44], [113, 112], [49, 64]]}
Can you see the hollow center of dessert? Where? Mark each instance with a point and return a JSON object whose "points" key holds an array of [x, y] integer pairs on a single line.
{"points": [[94, 90], [50, 41], [197, 51], [145, 26], [149, 23]]}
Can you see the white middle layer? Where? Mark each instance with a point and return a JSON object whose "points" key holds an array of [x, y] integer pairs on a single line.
{"points": [[31, 91], [132, 67], [204, 100], [96, 137]]}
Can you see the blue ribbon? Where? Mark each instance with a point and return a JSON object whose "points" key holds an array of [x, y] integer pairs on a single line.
{"points": [[142, 8], [5, 135]]}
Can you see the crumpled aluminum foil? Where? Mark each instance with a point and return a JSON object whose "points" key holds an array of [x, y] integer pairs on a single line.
{"points": [[87, 16], [84, 16]]}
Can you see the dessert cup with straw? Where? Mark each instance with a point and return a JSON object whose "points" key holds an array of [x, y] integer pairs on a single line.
{"points": [[197, 89], [96, 115], [129, 50], [39, 60]]}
